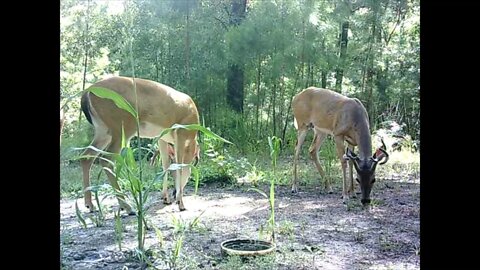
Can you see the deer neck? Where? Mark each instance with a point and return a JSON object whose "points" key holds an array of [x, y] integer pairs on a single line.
{"points": [[364, 142]]}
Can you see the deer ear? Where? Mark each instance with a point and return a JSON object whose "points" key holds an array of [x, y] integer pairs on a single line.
{"points": [[377, 153], [380, 152]]}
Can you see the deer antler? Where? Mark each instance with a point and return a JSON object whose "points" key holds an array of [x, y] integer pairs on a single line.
{"points": [[350, 155], [383, 144], [383, 154]]}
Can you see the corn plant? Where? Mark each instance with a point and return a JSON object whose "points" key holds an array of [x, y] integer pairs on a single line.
{"points": [[180, 228], [125, 167], [98, 218], [127, 170], [274, 144], [118, 229], [79, 215]]}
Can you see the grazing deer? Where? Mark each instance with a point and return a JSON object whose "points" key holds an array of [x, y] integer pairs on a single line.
{"points": [[158, 107], [346, 119]]}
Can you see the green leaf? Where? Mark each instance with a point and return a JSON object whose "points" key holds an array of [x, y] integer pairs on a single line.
{"points": [[197, 127], [196, 176], [259, 191], [115, 97], [159, 235], [176, 166], [196, 219], [80, 216], [160, 176], [124, 143], [130, 159]]}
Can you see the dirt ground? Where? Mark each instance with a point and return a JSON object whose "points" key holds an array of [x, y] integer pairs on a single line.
{"points": [[314, 230]]}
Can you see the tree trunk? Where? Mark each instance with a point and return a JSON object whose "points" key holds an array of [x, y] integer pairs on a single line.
{"points": [[187, 49], [85, 62], [292, 93], [236, 72], [342, 56], [235, 88], [259, 74], [324, 79]]}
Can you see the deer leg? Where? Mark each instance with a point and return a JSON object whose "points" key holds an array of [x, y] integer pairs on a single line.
{"points": [[351, 189], [339, 142], [302, 132], [184, 153], [114, 147], [163, 148], [318, 139], [100, 141]]}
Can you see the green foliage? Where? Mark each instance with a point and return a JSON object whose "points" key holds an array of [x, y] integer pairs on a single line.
{"points": [[217, 167], [79, 215], [274, 144], [283, 47]]}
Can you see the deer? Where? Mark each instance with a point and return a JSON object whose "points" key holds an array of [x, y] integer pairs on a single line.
{"points": [[346, 119], [158, 107]]}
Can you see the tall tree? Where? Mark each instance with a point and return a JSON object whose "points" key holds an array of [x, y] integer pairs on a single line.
{"points": [[235, 79], [342, 55]]}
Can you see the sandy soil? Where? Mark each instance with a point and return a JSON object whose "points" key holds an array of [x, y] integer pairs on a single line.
{"points": [[314, 229]]}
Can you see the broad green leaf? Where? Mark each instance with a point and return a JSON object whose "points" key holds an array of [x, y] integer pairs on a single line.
{"points": [[115, 97], [197, 127]]}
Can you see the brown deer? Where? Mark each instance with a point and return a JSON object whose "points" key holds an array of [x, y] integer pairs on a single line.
{"points": [[158, 107], [346, 119]]}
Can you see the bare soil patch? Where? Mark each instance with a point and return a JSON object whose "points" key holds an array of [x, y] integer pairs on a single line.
{"points": [[314, 230]]}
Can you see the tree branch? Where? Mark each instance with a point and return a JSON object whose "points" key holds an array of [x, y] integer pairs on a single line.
{"points": [[222, 22]]}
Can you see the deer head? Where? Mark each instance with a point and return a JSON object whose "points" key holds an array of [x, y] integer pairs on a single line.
{"points": [[366, 169]]}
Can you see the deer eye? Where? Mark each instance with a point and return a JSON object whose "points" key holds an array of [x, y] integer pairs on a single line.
{"points": [[373, 180], [358, 180]]}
